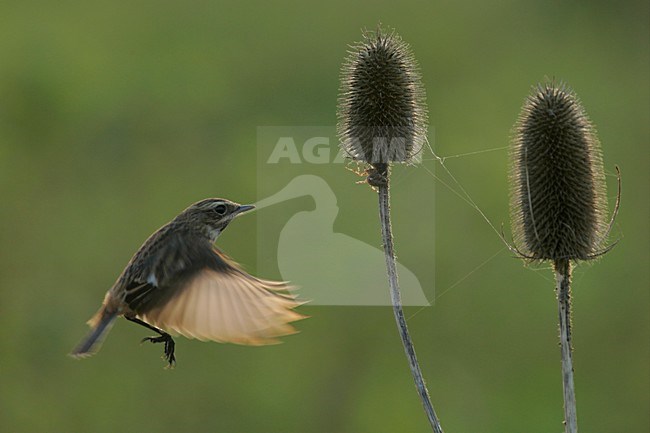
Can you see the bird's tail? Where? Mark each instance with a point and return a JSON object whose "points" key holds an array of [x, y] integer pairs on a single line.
{"points": [[101, 323]]}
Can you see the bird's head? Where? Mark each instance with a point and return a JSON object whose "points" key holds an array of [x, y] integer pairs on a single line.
{"points": [[212, 215]]}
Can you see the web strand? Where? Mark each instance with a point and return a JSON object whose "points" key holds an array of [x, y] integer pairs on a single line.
{"points": [[461, 192], [442, 159], [457, 189]]}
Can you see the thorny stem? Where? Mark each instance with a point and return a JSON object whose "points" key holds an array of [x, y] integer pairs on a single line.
{"points": [[387, 238], [563, 281]]}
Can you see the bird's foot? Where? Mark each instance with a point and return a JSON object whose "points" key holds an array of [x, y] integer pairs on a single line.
{"points": [[169, 347]]}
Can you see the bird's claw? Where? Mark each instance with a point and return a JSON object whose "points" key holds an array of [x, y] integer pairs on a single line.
{"points": [[169, 347]]}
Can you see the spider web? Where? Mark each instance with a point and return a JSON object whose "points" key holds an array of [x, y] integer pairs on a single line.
{"points": [[457, 188], [454, 185]]}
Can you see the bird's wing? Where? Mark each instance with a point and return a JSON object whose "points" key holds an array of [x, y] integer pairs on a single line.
{"points": [[158, 268], [223, 303]]}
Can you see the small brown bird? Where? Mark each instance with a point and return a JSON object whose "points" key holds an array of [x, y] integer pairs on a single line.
{"points": [[179, 282]]}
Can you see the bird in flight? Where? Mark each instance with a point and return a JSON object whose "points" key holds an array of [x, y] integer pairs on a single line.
{"points": [[178, 282]]}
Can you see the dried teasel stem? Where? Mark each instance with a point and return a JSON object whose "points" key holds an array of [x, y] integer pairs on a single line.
{"points": [[398, 311], [563, 287]]}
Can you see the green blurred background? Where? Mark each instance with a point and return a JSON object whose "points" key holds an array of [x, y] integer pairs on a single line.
{"points": [[116, 115]]}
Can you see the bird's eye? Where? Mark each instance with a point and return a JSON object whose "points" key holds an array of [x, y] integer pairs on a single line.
{"points": [[220, 209]]}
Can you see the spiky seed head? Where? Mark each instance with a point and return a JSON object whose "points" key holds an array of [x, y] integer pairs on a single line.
{"points": [[382, 114], [558, 200]]}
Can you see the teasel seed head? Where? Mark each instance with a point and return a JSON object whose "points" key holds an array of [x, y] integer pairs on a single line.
{"points": [[558, 199], [382, 114]]}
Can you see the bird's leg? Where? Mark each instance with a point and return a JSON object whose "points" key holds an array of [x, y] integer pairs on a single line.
{"points": [[163, 338]]}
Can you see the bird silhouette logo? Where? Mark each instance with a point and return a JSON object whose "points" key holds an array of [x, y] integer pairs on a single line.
{"points": [[339, 269]]}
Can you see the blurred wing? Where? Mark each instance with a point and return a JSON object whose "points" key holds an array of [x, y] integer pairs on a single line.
{"points": [[228, 305]]}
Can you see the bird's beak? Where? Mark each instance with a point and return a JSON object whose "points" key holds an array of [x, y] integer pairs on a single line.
{"points": [[244, 208]]}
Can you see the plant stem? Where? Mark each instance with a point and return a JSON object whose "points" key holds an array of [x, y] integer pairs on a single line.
{"points": [[387, 238], [563, 284]]}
